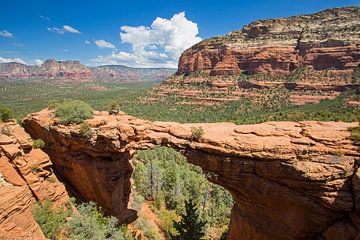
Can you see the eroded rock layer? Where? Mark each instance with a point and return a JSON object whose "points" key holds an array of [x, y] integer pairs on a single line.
{"points": [[324, 40], [289, 180], [26, 177]]}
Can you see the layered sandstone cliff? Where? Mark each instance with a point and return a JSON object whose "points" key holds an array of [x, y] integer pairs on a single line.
{"points": [[289, 180], [26, 176], [325, 40]]}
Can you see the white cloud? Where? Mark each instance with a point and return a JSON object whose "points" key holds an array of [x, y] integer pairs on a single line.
{"points": [[104, 44], [70, 29], [65, 28], [6, 34], [87, 42], [38, 62], [159, 45], [7, 60], [56, 30]]}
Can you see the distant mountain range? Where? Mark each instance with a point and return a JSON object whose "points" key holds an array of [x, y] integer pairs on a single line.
{"points": [[76, 71]]}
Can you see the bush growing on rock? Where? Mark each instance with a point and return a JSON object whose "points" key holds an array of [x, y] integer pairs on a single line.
{"points": [[5, 130], [114, 108], [38, 143], [85, 130], [355, 133], [196, 133], [5, 113], [73, 111]]}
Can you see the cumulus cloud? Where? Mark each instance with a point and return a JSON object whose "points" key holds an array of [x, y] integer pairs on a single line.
{"points": [[6, 34], [38, 62], [7, 60], [159, 45], [104, 44], [87, 42], [63, 29]]}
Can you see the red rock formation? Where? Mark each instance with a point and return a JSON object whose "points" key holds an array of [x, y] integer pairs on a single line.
{"points": [[324, 40], [26, 177], [74, 70], [289, 180]]}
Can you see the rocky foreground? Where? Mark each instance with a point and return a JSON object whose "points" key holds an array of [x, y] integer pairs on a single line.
{"points": [[26, 176], [328, 39], [289, 180]]}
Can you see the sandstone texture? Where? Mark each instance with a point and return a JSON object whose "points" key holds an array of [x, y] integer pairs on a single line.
{"points": [[289, 180], [325, 40], [26, 177]]}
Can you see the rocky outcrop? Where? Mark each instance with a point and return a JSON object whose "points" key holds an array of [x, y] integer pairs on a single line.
{"points": [[26, 177], [324, 40], [74, 70], [289, 180], [50, 69]]}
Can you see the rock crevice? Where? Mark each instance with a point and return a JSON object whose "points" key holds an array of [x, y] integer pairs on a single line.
{"points": [[26, 177]]}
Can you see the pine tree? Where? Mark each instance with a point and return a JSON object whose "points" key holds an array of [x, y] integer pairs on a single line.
{"points": [[191, 227]]}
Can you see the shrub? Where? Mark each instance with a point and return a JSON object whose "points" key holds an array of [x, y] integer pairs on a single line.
{"points": [[52, 104], [85, 130], [147, 228], [166, 219], [6, 131], [49, 219], [74, 111], [5, 113], [38, 143], [114, 108], [35, 168], [355, 133], [196, 133], [90, 223]]}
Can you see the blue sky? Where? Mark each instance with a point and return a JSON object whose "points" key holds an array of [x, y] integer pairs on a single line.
{"points": [[154, 33]]}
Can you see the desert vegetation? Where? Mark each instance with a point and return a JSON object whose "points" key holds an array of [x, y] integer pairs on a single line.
{"points": [[38, 143], [5, 113], [177, 191], [138, 100], [73, 111], [77, 221]]}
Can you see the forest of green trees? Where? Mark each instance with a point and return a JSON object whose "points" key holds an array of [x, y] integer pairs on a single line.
{"points": [[165, 179]]}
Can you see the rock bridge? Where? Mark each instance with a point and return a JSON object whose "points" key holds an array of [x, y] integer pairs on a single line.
{"points": [[288, 180]]}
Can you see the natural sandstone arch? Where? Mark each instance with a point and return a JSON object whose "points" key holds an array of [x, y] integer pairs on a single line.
{"points": [[289, 180]]}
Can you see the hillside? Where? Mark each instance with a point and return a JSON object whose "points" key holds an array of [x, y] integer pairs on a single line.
{"points": [[301, 59], [324, 40], [76, 71]]}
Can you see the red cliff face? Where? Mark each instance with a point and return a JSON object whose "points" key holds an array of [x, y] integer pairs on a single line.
{"points": [[26, 176], [289, 180], [324, 40]]}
